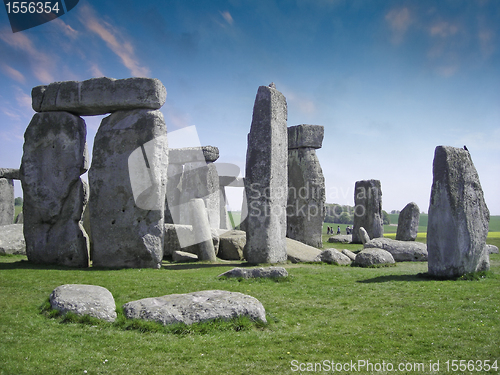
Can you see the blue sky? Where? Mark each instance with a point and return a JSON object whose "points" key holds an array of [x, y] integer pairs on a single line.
{"points": [[389, 80]]}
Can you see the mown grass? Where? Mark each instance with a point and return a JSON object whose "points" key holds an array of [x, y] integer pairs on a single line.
{"points": [[322, 312]]}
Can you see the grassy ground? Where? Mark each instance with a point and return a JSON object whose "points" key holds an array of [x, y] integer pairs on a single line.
{"points": [[324, 313]]}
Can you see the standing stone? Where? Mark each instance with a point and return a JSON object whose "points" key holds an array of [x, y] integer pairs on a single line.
{"points": [[201, 229], [54, 195], [306, 185], [458, 216], [173, 193], [408, 223], [127, 179], [266, 178], [6, 201], [368, 209]]}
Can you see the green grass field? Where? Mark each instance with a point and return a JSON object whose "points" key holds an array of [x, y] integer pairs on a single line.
{"points": [[323, 313]]}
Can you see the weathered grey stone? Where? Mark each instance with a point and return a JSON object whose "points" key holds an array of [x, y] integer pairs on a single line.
{"points": [[195, 307], [91, 300], [7, 208], [306, 197], [10, 173], [492, 249], [368, 209], [340, 238], [12, 239], [402, 251], [372, 256], [98, 96], [183, 257], [231, 181], [305, 136], [175, 231], [19, 218], [193, 154], [298, 252], [266, 179], [128, 178], [363, 235], [253, 273], [408, 222], [458, 216], [232, 244], [201, 228], [55, 155], [333, 256], [349, 254], [173, 193]]}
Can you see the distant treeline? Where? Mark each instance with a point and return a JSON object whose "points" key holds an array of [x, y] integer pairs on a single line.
{"points": [[344, 214]]}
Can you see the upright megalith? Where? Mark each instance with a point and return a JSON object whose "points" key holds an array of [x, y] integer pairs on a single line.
{"points": [[368, 209], [266, 179], [306, 185], [128, 179], [458, 216], [408, 222], [55, 155], [6, 201]]}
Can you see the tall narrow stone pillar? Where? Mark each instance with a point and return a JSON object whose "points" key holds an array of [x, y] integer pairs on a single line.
{"points": [[368, 209], [6, 201], [266, 178], [306, 185]]}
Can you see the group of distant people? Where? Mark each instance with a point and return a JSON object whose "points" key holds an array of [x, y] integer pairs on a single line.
{"points": [[330, 230]]}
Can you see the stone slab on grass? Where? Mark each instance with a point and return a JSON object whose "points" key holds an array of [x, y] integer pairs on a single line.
{"points": [[98, 96], [80, 299], [182, 256], [333, 256], [402, 251], [372, 257], [299, 252], [341, 238], [196, 307], [262, 272]]}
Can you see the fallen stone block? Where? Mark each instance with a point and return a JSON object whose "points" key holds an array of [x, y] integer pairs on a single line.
{"points": [[299, 252], [402, 251], [371, 257], [196, 307], [98, 96], [333, 256], [262, 272], [349, 254], [340, 238], [231, 245], [183, 257]]}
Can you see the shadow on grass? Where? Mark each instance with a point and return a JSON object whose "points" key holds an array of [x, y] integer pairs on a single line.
{"points": [[388, 278], [198, 265]]}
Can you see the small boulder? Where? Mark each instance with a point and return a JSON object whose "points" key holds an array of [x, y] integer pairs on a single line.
{"points": [[231, 245], [262, 272], [349, 254], [196, 307], [299, 252], [341, 238], [373, 256], [492, 249], [182, 256], [12, 239], [402, 251], [333, 256], [363, 235], [92, 300]]}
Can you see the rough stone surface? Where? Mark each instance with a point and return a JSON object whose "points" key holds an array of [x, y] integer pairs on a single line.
{"points": [[408, 222], [306, 197], [182, 256], [340, 238], [402, 251], [201, 229], [232, 244], [305, 136], [333, 256], [349, 254], [172, 243], [458, 216], [55, 155], [195, 307], [92, 300], [368, 209], [173, 193], [372, 256], [10, 173], [193, 154], [492, 249], [6, 201], [262, 272], [12, 239], [266, 178], [299, 252], [363, 235], [98, 96], [128, 179]]}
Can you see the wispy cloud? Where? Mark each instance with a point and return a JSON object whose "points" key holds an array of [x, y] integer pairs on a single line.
{"points": [[227, 17], [304, 105], [399, 20], [23, 99], [66, 29], [41, 63], [487, 42], [95, 71], [115, 41], [443, 29], [12, 73]]}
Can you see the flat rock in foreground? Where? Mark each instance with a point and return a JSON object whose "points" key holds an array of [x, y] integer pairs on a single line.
{"points": [[98, 96], [401, 251], [262, 272], [298, 252], [195, 307], [80, 299]]}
